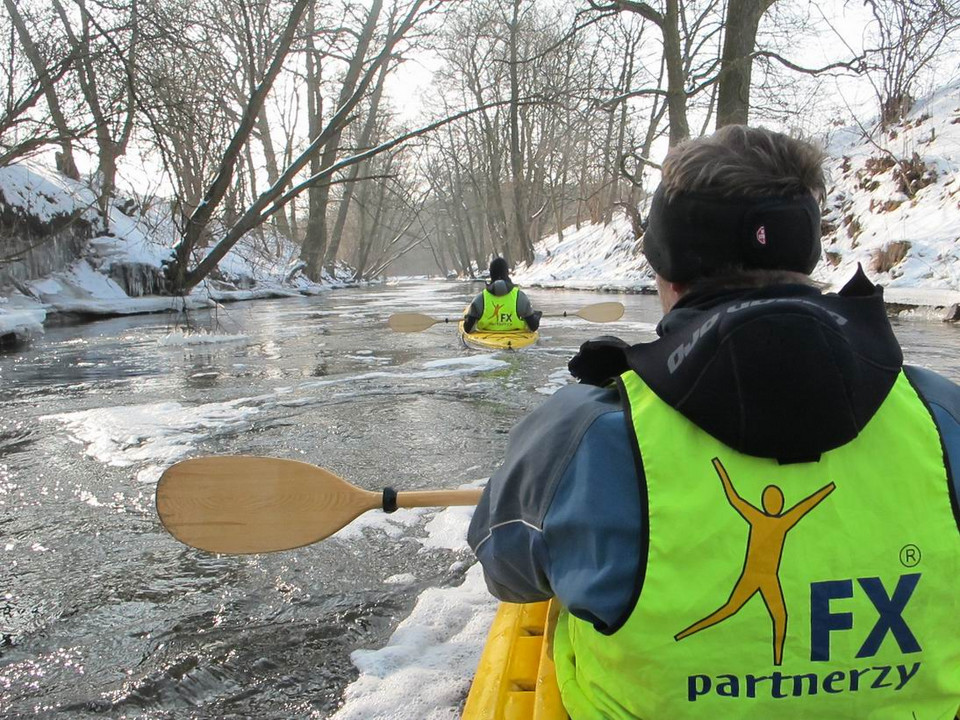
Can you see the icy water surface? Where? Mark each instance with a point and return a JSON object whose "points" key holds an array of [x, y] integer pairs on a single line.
{"points": [[103, 614]]}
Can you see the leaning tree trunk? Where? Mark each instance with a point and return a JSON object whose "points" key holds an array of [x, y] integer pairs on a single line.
{"points": [[315, 244], [742, 23]]}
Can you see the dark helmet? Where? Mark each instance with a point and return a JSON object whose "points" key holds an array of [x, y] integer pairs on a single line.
{"points": [[499, 269]]}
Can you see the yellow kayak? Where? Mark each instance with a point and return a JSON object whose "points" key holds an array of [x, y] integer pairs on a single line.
{"points": [[515, 679], [503, 340]]}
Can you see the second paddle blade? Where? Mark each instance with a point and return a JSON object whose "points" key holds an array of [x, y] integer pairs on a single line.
{"points": [[245, 504], [410, 322], [602, 312]]}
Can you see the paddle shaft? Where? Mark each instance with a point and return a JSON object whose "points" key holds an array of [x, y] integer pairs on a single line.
{"points": [[434, 498], [417, 322]]}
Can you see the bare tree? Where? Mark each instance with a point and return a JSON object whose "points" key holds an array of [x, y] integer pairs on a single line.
{"points": [[42, 66], [363, 142], [108, 92], [181, 276], [23, 132], [911, 35], [740, 39], [676, 37], [315, 243]]}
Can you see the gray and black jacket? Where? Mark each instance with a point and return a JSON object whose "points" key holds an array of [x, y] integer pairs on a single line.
{"points": [[800, 375]]}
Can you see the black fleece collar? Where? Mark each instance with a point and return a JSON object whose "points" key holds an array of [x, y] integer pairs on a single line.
{"points": [[781, 372]]}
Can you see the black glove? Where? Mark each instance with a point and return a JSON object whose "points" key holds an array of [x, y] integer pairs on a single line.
{"points": [[533, 320], [599, 360]]}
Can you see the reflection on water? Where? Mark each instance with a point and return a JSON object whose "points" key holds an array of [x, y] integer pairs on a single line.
{"points": [[103, 614]]}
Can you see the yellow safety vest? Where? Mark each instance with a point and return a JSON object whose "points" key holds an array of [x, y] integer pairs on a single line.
{"points": [[825, 590], [500, 312]]}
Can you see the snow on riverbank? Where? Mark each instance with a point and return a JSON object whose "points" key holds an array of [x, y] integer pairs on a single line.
{"points": [[425, 669], [436, 648], [893, 206], [20, 319], [121, 270]]}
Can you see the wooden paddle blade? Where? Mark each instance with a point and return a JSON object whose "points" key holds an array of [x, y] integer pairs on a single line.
{"points": [[411, 322], [246, 504], [601, 312]]}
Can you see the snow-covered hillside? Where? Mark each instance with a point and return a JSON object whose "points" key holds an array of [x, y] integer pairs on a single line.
{"points": [[893, 206], [595, 257], [895, 201]]}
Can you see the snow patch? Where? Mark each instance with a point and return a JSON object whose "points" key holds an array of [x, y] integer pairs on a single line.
{"points": [[435, 650]]}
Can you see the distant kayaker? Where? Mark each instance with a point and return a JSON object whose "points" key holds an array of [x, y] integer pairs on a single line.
{"points": [[502, 306], [608, 496]]}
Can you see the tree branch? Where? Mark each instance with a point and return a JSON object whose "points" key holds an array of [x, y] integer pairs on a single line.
{"points": [[856, 65]]}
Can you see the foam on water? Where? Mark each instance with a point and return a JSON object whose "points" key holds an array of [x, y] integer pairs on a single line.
{"points": [[425, 669], [152, 434], [181, 338]]}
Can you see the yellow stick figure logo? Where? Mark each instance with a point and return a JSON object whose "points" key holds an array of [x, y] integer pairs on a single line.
{"points": [[768, 530]]}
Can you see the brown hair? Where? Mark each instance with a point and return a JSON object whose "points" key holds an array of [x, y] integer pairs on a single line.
{"points": [[744, 161]]}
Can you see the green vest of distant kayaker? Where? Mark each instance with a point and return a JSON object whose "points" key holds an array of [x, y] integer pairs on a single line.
{"points": [[782, 590], [500, 313]]}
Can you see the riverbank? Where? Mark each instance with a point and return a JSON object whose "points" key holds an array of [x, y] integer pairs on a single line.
{"points": [[50, 220], [892, 207], [22, 317]]}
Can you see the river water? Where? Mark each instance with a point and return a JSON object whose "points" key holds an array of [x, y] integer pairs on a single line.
{"points": [[102, 614]]}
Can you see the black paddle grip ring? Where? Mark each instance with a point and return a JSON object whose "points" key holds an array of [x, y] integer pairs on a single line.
{"points": [[389, 499]]}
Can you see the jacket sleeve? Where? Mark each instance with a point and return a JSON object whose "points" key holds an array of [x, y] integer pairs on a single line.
{"points": [[943, 399], [561, 516], [526, 312], [474, 313]]}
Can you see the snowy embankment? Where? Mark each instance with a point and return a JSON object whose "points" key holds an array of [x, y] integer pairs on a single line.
{"points": [[593, 257], [121, 267], [893, 206]]}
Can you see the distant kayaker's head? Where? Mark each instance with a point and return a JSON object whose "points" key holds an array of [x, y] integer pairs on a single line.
{"points": [[499, 270], [739, 208]]}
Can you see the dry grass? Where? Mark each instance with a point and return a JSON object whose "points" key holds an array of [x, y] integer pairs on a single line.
{"points": [[889, 256]]}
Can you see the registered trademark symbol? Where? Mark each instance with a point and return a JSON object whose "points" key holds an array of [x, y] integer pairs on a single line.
{"points": [[910, 555]]}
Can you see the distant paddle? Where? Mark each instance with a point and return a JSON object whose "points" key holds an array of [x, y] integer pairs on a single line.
{"points": [[415, 322], [598, 312], [244, 504]]}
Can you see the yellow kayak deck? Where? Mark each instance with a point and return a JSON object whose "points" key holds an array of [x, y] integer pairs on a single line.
{"points": [[515, 679], [503, 340]]}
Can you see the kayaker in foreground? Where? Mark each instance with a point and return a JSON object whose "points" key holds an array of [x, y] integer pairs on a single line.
{"points": [[502, 306], [767, 401]]}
